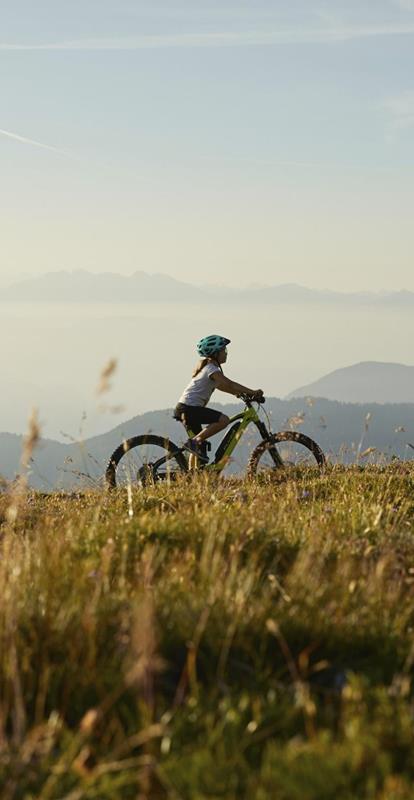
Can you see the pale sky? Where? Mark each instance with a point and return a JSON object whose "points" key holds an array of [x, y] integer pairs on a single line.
{"points": [[218, 142]]}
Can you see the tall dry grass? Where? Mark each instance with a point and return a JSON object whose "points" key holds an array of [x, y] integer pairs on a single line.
{"points": [[231, 640]]}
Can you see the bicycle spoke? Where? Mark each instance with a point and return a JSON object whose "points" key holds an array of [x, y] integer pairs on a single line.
{"points": [[295, 451], [291, 454], [145, 463]]}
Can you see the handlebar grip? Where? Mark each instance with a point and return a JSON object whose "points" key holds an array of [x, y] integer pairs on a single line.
{"points": [[246, 397]]}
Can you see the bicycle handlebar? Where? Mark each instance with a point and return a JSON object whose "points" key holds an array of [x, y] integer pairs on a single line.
{"points": [[248, 399]]}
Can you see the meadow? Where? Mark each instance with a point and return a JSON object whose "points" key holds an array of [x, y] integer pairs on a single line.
{"points": [[210, 639]]}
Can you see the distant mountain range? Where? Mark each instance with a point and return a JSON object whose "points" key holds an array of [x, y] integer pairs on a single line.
{"points": [[345, 431], [81, 286], [368, 381]]}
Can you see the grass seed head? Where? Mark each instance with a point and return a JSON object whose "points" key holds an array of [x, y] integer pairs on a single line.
{"points": [[107, 372]]}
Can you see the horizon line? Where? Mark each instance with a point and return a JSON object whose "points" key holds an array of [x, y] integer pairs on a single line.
{"points": [[208, 287]]}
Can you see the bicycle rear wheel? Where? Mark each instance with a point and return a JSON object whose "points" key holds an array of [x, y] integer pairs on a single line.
{"points": [[290, 450], [144, 460]]}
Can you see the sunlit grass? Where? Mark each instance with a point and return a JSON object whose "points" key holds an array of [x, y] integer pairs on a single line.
{"points": [[210, 639]]}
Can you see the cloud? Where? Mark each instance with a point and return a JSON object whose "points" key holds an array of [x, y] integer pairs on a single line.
{"points": [[225, 39], [33, 142], [407, 5], [401, 109], [308, 165]]}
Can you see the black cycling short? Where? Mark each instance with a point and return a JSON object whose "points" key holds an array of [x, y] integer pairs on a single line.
{"points": [[194, 417]]}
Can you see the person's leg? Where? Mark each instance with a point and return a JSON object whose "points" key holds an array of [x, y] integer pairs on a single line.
{"points": [[214, 427], [195, 417], [193, 461], [191, 422]]}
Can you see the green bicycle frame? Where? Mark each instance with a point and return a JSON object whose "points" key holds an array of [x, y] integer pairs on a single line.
{"points": [[247, 416]]}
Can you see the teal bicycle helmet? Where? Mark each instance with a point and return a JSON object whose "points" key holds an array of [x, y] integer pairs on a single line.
{"points": [[210, 345]]}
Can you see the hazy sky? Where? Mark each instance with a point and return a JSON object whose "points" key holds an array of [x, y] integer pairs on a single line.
{"points": [[218, 141]]}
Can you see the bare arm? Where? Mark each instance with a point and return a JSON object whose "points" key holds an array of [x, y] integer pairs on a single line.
{"points": [[231, 387]]}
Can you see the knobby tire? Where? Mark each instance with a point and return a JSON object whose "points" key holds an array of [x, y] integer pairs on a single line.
{"points": [[137, 441], [284, 436]]}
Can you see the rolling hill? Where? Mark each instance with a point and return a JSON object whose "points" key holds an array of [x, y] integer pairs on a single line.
{"points": [[342, 429], [368, 381]]}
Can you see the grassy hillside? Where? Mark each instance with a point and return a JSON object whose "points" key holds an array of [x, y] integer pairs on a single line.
{"points": [[210, 640]]}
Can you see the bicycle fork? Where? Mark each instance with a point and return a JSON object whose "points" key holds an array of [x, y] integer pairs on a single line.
{"points": [[273, 451]]}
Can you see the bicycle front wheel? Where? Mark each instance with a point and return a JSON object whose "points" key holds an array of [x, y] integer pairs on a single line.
{"points": [[286, 449], [144, 460]]}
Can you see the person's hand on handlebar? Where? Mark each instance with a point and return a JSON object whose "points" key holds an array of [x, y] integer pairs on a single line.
{"points": [[251, 394], [257, 394]]}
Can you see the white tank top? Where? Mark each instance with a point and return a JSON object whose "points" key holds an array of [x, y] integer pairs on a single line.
{"points": [[200, 388]]}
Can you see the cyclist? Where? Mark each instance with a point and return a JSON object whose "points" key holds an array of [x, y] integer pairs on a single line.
{"points": [[208, 375]]}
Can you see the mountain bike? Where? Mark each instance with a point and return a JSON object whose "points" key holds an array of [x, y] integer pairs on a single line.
{"points": [[147, 459]]}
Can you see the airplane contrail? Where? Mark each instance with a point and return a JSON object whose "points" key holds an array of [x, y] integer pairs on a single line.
{"points": [[225, 38], [35, 143]]}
